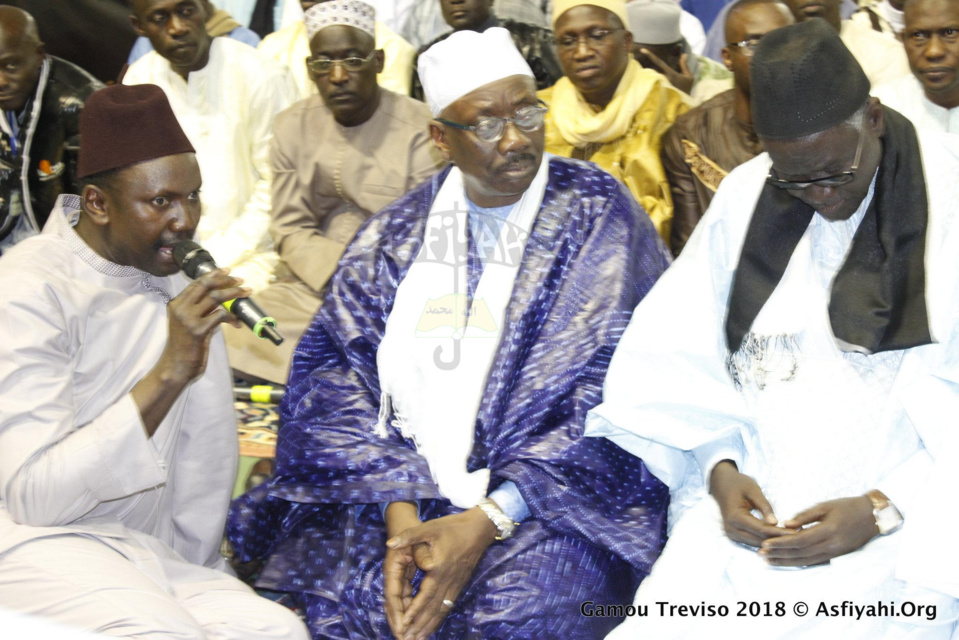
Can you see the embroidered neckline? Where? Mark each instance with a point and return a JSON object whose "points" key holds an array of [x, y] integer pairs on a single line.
{"points": [[66, 212]]}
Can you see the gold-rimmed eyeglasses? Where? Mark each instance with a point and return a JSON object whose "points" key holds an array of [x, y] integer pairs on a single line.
{"points": [[491, 128], [747, 47], [324, 66]]}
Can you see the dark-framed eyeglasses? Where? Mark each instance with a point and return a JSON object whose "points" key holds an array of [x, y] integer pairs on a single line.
{"points": [[323, 66], [836, 180], [491, 128], [747, 47], [593, 38]]}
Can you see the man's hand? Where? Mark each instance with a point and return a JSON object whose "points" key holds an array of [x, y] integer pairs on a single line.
{"points": [[842, 526], [447, 550], [682, 79], [193, 317], [399, 565], [738, 495]]}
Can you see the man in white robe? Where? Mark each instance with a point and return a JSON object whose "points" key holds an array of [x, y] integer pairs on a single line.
{"points": [[225, 96], [822, 433], [882, 16], [880, 56], [117, 438], [930, 96]]}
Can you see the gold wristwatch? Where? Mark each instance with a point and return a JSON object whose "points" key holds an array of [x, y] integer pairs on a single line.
{"points": [[888, 518], [505, 527]]}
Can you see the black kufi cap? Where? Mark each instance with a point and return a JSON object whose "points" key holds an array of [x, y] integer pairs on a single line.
{"points": [[804, 80]]}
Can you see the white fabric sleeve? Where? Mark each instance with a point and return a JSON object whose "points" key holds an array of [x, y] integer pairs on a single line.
{"points": [[928, 401], [205, 461], [510, 501], [248, 233], [52, 470], [902, 483], [507, 497], [712, 453], [668, 397], [932, 401]]}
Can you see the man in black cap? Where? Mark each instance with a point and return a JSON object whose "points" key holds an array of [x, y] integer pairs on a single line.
{"points": [[813, 312], [117, 437]]}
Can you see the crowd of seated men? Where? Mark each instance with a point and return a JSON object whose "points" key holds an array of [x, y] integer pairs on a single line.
{"points": [[577, 327]]}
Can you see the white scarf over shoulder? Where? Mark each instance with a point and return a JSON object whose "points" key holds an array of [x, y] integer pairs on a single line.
{"points": [[436, 353]]}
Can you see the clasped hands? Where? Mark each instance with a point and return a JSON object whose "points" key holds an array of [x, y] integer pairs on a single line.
{"points": [[446, 550], [840, 526]]}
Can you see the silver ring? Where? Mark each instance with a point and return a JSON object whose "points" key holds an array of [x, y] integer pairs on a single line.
{"points": [[448, 604]]}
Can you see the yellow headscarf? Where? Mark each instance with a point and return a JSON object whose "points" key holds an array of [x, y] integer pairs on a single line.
{"points": [[617, 7]]}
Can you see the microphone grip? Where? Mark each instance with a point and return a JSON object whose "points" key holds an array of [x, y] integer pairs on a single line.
{"points": [[204, 268], [252, 316], [196, 262], [261, 393]]}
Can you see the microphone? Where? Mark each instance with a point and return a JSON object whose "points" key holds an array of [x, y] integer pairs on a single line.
{"points": [[196, 261], [260, 393]]}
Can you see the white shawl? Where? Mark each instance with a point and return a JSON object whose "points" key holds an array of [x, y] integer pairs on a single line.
{"points": [[434, 359]]}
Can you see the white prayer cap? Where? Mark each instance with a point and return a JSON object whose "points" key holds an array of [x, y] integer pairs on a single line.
{"points": [[350, 13], [654, 21], [465, 61]]}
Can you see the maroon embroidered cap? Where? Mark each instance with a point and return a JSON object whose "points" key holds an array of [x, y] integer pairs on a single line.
{"points": [[123, 125]]}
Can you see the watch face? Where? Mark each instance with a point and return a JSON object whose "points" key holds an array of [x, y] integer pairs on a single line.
{"points": [[888, 519]]}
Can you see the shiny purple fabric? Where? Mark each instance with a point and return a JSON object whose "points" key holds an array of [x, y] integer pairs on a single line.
{"points": [[598, 516]]}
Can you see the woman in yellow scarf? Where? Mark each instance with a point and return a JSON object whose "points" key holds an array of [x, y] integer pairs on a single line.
{"points": [[608, 109]]}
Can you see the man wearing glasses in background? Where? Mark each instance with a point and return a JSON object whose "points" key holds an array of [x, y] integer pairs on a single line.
{"points": [[433, 417], [793, 377], [337, 158], [705, 144], [608, 109]]}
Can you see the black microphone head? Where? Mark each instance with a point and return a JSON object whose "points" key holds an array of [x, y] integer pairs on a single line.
{"points": [[188, 255]]}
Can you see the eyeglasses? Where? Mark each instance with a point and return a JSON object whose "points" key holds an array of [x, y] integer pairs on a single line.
{"points": [[593, 39], [829, 181], [323, 66], [491, 128], [748, 47]]}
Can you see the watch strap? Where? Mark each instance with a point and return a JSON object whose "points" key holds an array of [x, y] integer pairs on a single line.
{"points": [[888, 518], [505, 527]]}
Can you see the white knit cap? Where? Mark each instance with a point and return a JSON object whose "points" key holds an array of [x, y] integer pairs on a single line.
{"points": [[654, 21], [350, 13], [465, 61]]}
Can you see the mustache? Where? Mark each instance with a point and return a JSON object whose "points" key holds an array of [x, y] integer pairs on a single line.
{"points": [[517, 160], [169, 241]]}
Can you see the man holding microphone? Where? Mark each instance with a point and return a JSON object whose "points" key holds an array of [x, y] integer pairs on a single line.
{"points": [[117, 435]]}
